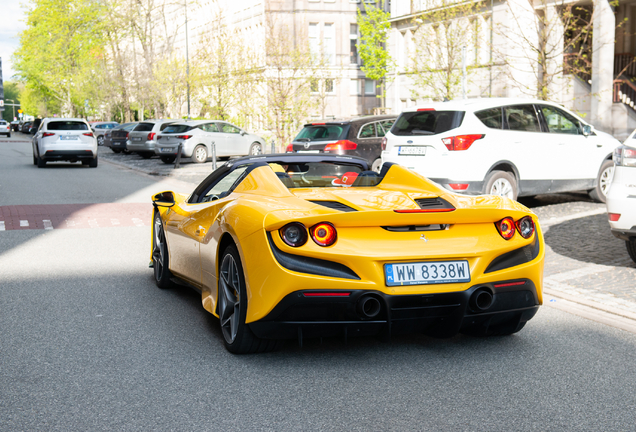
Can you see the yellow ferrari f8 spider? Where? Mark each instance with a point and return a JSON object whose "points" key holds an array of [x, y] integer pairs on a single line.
{"points": [[293, 246]]}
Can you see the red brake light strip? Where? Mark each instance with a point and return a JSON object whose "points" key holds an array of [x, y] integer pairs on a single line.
{"points": [[442, 210], [327, 294], [509, 284]]}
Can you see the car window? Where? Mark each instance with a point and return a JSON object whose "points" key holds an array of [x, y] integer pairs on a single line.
{"points": [[222, 186], [228, 128], [560, 122], [522, 118], [130, 127], [322, 133], [165, 125], [324, 174], [385, 126], [177, 128], [367, 131], [66, 125], [427, 122], [491, 118], [209, 127], [144, 127]]}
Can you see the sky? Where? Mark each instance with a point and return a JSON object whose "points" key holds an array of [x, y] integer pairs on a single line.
{"points": [[11, 24]]}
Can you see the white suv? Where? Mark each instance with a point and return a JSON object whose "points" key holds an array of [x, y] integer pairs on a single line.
{"points": [[64, 139], [621, 197], [508, 147]]}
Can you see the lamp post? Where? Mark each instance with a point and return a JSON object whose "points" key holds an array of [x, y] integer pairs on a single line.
{"points": [[185, 6]]}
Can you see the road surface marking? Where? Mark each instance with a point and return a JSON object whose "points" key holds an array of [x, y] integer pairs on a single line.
{"points": [[47, 224], [138, 222], [114, 221], [1, 225], [24, 223]]}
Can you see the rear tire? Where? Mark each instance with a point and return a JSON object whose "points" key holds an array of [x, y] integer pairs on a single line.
{"points": [[160, 259], [92, 163], [168, 159], [237, 336], [631, 248], [501, 183], [100, 140], [377, 165], [35, 160], [256, 148], [146, 155], [41, 162], [199, 154], [116, 150], [603, 181]]}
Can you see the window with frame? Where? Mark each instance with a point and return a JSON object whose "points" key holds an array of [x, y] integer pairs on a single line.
{"points": [[330, 42], [353, 43], [560, 122], [491, 117], [367, 131], [369, 87], [209, 127], [228, 128], [329, 85], [522, 118], [354, 87], [222, 187], [314, 40]]}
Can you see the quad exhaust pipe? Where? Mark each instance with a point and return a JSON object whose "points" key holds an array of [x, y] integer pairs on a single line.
{"points": [[368, 307], [481, 299]]}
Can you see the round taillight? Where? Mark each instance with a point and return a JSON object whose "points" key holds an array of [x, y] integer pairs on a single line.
{"points": [[525, 226], [290, 148], [294, 234], [506, 228], [324, 234]]}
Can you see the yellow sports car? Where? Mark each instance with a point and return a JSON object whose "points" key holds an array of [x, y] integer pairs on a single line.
{"points": [[292, 246]]}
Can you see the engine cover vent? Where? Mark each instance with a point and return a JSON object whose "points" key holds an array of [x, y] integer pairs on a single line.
{"points": [[334, 205]]}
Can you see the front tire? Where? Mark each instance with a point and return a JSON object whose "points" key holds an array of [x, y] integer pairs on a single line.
{"points": [[200, 154], [603, 181], [160, 259], [232, 298], [501, 183]]}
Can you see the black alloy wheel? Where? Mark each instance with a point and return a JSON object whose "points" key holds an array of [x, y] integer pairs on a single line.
{"points": [[100, 140], [160, 260], [232, 308]]}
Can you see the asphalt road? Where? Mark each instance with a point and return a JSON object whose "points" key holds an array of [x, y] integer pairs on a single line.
{"points": [[88, 342]]}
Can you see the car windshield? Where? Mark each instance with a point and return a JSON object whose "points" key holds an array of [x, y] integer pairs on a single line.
{"points": [[177, 129], [427, 122], [67, 125], [323, 133], [324, 174]]}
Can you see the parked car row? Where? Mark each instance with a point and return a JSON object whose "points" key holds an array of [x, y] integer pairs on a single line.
{"points": [[163, 137]]}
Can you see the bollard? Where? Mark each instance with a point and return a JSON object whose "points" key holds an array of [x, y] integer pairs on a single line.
{"points": [[213, 156], [177, 161], [273, 147]]}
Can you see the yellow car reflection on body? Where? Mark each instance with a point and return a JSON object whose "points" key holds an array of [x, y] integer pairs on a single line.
{"points": [[294, 246]]}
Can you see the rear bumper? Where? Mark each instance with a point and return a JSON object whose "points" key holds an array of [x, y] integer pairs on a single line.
{"points": [[300, 315], [148, 146], [114, 143], [68, 155]]}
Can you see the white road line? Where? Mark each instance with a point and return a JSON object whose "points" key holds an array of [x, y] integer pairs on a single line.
{"points": [[114, 221], [138, 222], [47, 224], [93, 223], [24, 223], [2, 226], [70, 223]]}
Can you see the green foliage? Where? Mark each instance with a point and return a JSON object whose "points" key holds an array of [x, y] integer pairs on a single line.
{"points": [[11, 94], [374, 31], [59, 51]]}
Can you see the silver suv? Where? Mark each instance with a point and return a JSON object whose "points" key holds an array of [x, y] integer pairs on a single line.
{"points": [[64, 139], [143, 138]]}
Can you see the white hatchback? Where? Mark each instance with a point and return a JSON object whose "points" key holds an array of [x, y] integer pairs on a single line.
{"points": [[621, 197], [64, 139], [500, 146]]}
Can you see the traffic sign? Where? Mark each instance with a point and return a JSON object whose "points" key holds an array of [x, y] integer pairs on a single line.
{"points": [[20, 111], [1, 103]]}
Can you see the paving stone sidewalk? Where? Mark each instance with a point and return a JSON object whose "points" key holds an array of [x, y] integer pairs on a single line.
{"points": [[584, 261]]}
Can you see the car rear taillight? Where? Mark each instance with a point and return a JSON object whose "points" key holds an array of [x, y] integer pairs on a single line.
{"points": [[290, 148], [184, 137], [127, 135], [324, 234], [506, 228], [625, 156], [461, 142], [47, 134], [294, 234], [151, 136], [459, 186], [614, 217], [426, 109], [90, 134], [383, 143], [525, 226], [341, 145]]}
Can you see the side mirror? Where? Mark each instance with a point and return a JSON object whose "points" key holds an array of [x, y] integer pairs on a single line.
{"points": [[243, 133], [164, 199], [587, 130]]}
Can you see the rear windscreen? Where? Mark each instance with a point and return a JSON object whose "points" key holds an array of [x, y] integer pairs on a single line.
{"points": [[427, 122], [177, 129], [323, 133], [324, 174], [67, 125], [144, 127]]}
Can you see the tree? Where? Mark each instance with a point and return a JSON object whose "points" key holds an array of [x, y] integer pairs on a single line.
{"points": [[374, 31], [12, 94], [443, 31]]}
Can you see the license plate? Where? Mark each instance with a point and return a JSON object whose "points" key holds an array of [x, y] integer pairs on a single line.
{"points": [[424, 273], [136, 138], [166, 150], [308, 151], [419, 151], [68, 137]]}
